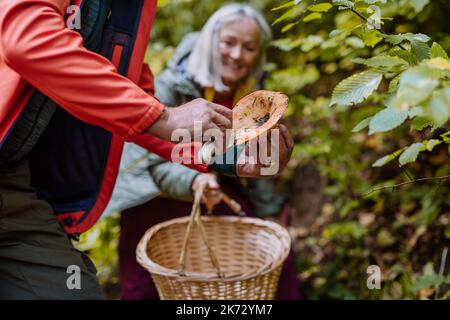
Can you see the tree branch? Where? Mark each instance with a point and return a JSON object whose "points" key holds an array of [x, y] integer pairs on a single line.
{"points": [[407, 182], [374, 26]]}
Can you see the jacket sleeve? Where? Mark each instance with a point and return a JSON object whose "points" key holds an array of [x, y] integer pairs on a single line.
{"points": [[146, 81], [172, 179], [264, 198], [35, 42]]}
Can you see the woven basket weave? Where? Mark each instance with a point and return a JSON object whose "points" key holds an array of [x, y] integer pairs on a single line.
{"points": [[249, 251]]}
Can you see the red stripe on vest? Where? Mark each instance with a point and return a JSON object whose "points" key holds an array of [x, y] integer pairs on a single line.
{"points": [[148, 13]]}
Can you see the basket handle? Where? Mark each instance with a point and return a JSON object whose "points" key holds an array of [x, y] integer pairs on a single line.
{"points": [[195, 217]]}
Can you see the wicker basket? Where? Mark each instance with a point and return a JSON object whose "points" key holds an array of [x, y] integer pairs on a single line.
{"points": [[224, 258]]}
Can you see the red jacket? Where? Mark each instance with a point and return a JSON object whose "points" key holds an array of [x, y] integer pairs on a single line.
{"points": [[38, 51]]}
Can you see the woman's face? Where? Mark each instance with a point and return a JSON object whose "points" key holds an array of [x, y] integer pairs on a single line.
{"points": [[239, 44]]}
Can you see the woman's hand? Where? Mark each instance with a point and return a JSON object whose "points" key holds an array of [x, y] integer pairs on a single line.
{"points": [[211, 189], [283, 152]]}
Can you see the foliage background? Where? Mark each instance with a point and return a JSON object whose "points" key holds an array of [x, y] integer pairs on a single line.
{"points": [[339, 226]]}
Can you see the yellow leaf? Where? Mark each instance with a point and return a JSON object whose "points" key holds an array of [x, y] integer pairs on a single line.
{"points": [[439, 63], [312, 16], [372, 37], [321, 7]]}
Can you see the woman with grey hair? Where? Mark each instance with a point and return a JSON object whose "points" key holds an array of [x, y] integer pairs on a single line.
{"points": [[205, 62], [222, 63]]}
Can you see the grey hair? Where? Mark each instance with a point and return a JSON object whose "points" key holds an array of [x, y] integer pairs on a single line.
{"points": [[204, 62]]}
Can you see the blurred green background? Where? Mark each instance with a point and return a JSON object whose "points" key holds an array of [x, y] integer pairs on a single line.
{"points": [[339, 228]]}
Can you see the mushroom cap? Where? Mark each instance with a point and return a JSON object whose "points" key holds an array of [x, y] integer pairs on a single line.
{"points": [[257, 113]]}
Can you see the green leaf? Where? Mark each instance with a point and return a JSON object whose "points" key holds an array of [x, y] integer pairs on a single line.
{"points": [[440, 67], [372, 1], [393, 85], [418, 5], [312, 16], [337, 32], [311, 42], [382, 161], [321, 7], [348, 207], [432, 143], [420, 50], [385, 238], [428, 281], [447, 229], [285, 44], [387, 119], [437, 51], [414, 112], [410, 154], [283, 6], [440, 106], [386, 159], [384, 62], [293, 79], [416, 84], [399, 38], [372, 37], [405, 55], [289, 26], [356, 88], [361, 6], [363, 124], [288, 14], [345, 3], [420, 123], [337, 230], [355, 42]]}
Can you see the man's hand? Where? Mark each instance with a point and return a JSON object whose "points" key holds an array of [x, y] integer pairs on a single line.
{"points": [[284, 148], [210, 115]]}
